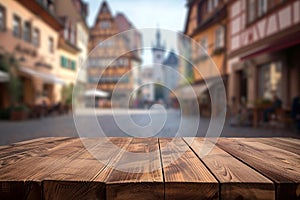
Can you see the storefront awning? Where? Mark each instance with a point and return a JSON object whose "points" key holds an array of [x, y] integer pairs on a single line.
{"points": [[4, 77], [47, 78], [281, 45], [193, 91]]}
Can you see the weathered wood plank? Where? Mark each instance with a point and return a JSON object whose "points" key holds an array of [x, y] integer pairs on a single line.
{"points": [[33, 149], [137, 174], [76, 178], [16, 170], [290, 140], [278, 165], [238, 181], [186, 177], [37, 145], [287, 145]]}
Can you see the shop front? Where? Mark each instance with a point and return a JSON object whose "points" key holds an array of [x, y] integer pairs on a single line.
{"points": [[39, 87]]}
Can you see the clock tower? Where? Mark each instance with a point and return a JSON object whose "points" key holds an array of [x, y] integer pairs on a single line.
{"points": [[158, 53]]}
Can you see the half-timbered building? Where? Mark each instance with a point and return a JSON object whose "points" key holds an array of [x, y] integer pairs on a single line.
{"points": [[263, 45]]}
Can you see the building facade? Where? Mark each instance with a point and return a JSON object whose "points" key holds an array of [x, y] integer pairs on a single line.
{"points": [[263, 44], [206, 24], [110, 63], [73, 43], [30, 35]]}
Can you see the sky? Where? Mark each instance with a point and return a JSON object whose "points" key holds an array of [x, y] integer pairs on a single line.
{"points": [[165, 14]]}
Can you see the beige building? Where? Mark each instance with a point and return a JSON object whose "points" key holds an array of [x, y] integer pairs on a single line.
{"points": [[73, 43], [30, 34], [76, 31]]}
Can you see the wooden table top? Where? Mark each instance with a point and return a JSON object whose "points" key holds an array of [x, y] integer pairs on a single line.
{"points": [[236, 168]]}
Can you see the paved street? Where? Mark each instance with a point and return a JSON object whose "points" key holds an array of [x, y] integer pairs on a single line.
{"points": [[162, 126]]}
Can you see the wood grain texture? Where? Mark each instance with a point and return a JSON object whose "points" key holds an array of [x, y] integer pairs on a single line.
{"points": [[76, 178], [186, 177], [238, 181], [70, 168], [36, 146], [22, 161], [38, 163], [285, 144], [278, 165], [137, 174]]}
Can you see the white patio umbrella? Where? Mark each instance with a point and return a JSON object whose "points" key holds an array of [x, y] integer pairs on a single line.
{"points": [[95, 93], [4, 77]]}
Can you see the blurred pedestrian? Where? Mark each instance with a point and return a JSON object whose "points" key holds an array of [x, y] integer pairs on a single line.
{"points": [[276, 104], [295, 112]]}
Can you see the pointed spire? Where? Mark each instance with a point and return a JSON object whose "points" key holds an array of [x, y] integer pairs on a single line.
{"points": [[104, 12], [104, 7], [158, 37]]}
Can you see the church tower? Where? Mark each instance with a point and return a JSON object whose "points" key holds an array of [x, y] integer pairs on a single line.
{"points": [[158, 54]]}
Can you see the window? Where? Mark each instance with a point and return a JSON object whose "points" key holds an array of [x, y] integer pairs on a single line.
{"points": [[251, 10], [66, 32], [216, 3], [27, 32], [63, 61], [17, 26], [203, 50], [256, 8], [219, 38], [50, 45], [36, 37], [73, 65], [262, 7], [209, 5], [199, 13], [67, 63], [105, 24], [270, 80], [2, 18], [72, 34]]}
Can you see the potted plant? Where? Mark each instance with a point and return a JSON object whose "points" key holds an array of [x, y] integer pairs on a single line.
{"points": [[9, 64], [19, 113], [67, 97]]}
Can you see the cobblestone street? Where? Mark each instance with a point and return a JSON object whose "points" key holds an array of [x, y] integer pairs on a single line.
{"points": [[64, 126]]}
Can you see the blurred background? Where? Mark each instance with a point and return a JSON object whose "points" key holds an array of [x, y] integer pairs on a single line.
{"points": [[196, 58]]}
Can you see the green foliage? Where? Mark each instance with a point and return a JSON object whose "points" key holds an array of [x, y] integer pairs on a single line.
{"points": [[9, 64], [66, 94], [5, 113], [158, 91]]}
